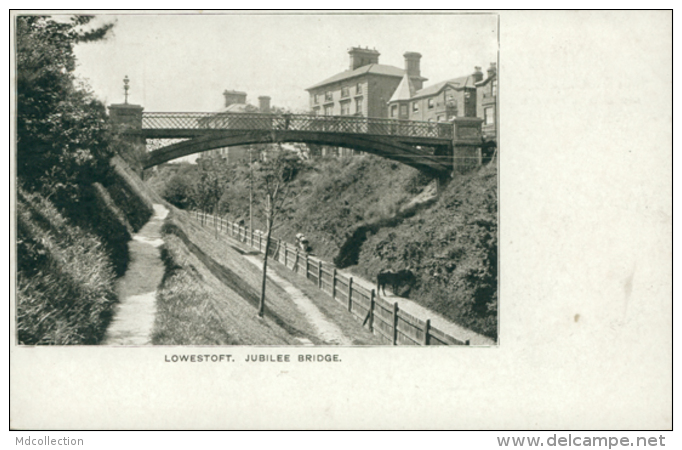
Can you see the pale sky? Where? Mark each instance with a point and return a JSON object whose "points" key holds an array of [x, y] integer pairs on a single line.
{"points": [[183, 62]]}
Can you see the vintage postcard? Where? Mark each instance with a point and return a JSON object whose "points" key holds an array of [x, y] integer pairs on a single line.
{"points": [[361, 219]]}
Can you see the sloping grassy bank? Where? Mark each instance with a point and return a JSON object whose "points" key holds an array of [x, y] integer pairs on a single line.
{"points": [[65, 279], [207, 298], [68, 259]]}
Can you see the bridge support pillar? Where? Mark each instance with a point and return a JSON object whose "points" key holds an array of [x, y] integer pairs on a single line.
{"points": [[126, 119], [466, 144]]}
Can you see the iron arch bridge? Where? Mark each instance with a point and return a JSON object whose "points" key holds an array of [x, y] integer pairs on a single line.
{"points": [[427, 146]]}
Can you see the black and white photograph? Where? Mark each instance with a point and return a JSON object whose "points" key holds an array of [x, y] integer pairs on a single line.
{"points": [[152, 180], [347, 220]]}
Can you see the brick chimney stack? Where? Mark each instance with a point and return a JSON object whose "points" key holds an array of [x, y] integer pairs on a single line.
{"points": [[478, 75], [492, 70], [232, 97], [264, 104], [412, 64], [362, 56], [413, 69]]}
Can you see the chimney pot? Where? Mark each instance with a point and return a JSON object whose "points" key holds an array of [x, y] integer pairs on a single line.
{"points": [[264, 104]]}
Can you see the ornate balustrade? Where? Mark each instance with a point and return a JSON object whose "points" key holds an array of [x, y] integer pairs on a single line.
{"points": [[297, 122]]}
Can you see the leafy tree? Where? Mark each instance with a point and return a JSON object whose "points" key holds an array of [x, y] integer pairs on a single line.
{"points": [[62, 138], [211, 181]]}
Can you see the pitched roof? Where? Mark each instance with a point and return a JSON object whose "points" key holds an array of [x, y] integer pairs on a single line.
{"points": [[456, 83], [404, 91], [377, 69]]}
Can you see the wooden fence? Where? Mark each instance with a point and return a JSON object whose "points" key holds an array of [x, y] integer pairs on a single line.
{"points": [[386, 320]]}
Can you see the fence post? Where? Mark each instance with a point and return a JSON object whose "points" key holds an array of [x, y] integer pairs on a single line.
{"points": [[395, 323], [334, 283], [350, 293], [296, 262], [251, 238], [319, 273], [371, 310], [285, 255], [427, 327]]}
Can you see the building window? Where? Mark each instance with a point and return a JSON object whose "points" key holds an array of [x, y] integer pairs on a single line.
{"points": [[394, 110], [441, 119], [431, 103], [489, 115], [345, 108], [358, 106], [403, 110], [316, 111], [345, 91], [316, 99], [358, 89], [328, 110], [415, 106], [328, 96], [494, 87]]}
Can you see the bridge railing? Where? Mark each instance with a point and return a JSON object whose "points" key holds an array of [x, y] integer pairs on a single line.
{"points": [[297, 122]]}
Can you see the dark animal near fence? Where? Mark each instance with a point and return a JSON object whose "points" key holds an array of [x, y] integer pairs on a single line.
{"points": [[394, 279]]}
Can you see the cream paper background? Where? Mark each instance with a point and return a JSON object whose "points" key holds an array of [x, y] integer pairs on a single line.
{"points": [[585, 287]]}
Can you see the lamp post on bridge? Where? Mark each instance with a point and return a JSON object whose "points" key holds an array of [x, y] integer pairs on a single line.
{"points": [[126, 118]]}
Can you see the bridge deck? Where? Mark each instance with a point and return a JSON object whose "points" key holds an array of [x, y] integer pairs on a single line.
{"points": [[190, 123]]}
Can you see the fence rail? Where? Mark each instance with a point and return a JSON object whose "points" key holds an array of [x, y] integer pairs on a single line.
{"points": [[385, 319], [296, 122]]}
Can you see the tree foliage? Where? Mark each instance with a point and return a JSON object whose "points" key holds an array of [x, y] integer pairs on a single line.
{"points": [[62, 138]]}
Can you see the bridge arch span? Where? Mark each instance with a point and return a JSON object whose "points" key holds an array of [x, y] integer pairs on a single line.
{"points": [[378, 145]]}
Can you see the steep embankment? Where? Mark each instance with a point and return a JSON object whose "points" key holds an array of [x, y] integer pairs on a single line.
{"points": [[68, 259], [211, 291], [360, 213], [357, 212]]}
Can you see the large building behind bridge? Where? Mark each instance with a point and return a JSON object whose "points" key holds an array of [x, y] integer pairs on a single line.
{"points": [[235, 102], [370, 89]]}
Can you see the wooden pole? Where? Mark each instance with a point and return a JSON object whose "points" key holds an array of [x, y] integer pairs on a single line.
{"points": [[395, 323], [371, 310], [334, 283], [306, 266], [427, 327], [319, 273], [296, 262], [350, 293], [285, 255]]}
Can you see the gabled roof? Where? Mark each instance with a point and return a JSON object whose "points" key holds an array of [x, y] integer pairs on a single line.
{"points": [[377, 69], [404, 91], [455, 83]]}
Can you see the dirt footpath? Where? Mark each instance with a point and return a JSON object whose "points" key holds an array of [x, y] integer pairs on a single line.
{"points": [[134, 316]]}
